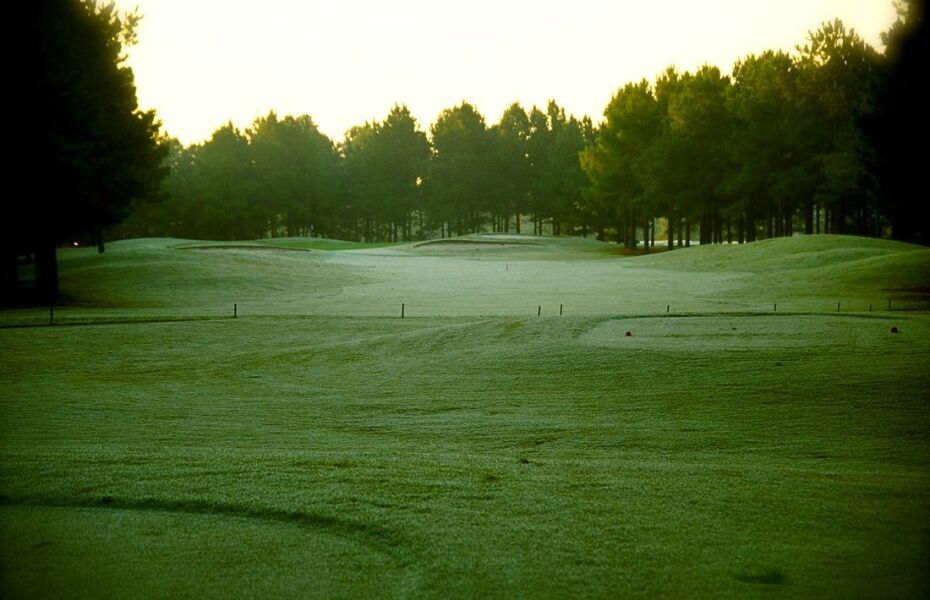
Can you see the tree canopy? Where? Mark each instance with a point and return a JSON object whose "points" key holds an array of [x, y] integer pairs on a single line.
{"points": [[810, 141], [98, 151]]}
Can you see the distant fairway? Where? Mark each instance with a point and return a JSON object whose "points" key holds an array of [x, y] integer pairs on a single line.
{"points": [[320, 446], [487, 275]]}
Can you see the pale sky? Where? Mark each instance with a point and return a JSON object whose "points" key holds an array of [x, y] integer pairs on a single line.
{"points": [[200, 63]]}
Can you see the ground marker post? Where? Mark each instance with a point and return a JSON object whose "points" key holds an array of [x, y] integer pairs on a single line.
{"points": [[401, 310], [775, 307], [539, 311], [870, 308], [668, 307], [235, 311], [560, 310], [837, 307]]}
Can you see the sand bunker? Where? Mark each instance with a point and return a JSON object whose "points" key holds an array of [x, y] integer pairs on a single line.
{"points": [[227, 247], [473, 245]]}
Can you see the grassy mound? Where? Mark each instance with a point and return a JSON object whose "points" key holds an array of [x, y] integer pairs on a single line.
{"points": [[499, 246], [508, 276], [784, 254], [168, 276], [302, 243]]}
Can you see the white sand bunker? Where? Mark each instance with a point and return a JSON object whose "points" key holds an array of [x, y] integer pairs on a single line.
{"points": [[508, 236], [475, 245], [239, 248]]}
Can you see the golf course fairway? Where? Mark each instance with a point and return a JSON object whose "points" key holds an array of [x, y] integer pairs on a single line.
{"points": [[548, 419]]}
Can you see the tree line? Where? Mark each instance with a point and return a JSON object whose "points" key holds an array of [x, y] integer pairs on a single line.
{"points": [[825, 139], [387, 180], [88, 149], [814, 141]]}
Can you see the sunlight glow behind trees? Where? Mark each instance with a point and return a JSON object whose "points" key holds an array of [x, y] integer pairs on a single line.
{"points": [[202, 63]]}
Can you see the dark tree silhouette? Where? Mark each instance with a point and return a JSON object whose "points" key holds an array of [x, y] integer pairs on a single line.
{"points": [[838, 82], [98, 152], [460, 185], [898, 129], [819, 140], [617, 162], [295, 165], [383, 169], [513, 174]]}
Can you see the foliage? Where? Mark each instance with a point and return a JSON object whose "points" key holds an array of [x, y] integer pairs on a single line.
{"points": [[812, 141], [896, 129], [384, 165], [99, 151], [295, 166]]}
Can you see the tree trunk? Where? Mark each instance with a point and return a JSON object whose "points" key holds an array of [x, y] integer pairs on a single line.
{"points": [[646, 233], [670, 225], [47, 271], [687, 232], [779, 217], [9, 284], [839, 218], [629, 222], [809, 217], [768, 219]]}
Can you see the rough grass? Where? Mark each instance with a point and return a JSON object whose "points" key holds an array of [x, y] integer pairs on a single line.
{"points": [[711, 454]]}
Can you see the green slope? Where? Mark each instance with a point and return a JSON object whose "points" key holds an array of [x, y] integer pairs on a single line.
{"points": [[781, 254], [174, 277], [319, 446]]}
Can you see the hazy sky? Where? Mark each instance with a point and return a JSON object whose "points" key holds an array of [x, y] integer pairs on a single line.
{"points": [[200, 63]]}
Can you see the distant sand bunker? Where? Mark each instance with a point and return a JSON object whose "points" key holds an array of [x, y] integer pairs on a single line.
{"points": [[454, 244], [242, 247]]}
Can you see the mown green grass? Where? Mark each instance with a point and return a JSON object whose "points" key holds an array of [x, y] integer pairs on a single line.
{"points": [[294, 243], [146, 279], [467, 453]]}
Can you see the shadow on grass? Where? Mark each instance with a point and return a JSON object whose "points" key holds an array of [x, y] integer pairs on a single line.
{"points": [[766, 577], [341, 526]]}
